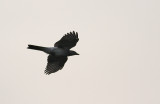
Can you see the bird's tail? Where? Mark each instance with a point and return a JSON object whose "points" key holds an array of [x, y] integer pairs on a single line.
{"points": [[34, 47]]}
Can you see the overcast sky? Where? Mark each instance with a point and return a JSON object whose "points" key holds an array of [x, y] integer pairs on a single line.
{"points": [[119, 47]]}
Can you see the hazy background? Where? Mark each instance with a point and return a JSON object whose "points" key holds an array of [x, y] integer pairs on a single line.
{"points": [[119, 49]]}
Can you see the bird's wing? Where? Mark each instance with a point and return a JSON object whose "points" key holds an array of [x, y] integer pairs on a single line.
{"points": [[68, 41], [54, 64]]}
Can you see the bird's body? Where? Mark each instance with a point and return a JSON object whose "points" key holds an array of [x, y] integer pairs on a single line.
{"points": [[59, 51], [56, 51], [58, 54]]}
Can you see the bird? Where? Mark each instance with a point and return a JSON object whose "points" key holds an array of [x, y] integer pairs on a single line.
{"points": [[58, 55]]}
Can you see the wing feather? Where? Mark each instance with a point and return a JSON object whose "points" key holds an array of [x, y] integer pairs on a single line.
{"points": [[54, 64], [68, 41]]}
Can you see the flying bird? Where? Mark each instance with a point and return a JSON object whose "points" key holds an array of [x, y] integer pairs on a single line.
{"points": [[58, 55]]}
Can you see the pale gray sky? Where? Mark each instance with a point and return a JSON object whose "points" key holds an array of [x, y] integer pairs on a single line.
{"points": [[119, 48]]}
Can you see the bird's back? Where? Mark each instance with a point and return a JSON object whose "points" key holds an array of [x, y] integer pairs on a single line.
{"points": [[58, 51]]}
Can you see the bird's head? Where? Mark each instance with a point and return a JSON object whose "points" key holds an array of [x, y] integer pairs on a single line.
{"points": [[71, 53]]}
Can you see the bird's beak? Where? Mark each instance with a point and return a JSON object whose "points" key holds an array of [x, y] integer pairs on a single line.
{"points": [[77, 54]]}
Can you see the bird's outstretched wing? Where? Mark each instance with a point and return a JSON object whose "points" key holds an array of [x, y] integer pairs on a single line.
{"points": [[54, 64], [68, 41]]}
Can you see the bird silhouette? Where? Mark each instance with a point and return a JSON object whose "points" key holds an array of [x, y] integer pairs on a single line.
{"points": [[58, 55]]}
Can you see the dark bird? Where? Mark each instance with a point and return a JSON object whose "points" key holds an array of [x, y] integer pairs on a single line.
{"points": [[58, 54]]}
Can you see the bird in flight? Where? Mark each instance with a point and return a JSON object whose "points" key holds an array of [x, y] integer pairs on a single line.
{"points": [[58, 54]]}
